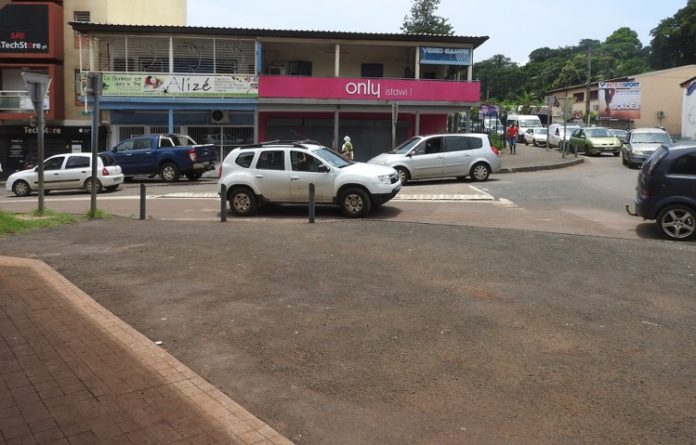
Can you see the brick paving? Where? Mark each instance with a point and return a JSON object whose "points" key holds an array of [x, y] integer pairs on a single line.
{"points": [[71, 372]]}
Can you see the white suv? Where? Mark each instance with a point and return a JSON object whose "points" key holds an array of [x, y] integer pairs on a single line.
{"points": [[280, 172]]}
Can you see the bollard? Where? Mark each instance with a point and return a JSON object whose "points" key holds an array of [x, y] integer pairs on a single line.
{"points": [[142, 201], [312, 206], [223, 203]]}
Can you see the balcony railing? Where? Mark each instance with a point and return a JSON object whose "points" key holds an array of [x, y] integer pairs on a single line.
{"points": [[18, 102]]}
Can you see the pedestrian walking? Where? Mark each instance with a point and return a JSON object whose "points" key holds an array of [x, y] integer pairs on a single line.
{"points": [[347, 148], [512, 133]]}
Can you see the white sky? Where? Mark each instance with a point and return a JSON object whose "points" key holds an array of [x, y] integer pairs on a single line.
{"points": [[515, 27]]}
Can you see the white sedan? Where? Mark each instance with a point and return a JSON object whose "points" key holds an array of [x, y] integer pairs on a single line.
{"points": [[65, 172], [535, 136]]}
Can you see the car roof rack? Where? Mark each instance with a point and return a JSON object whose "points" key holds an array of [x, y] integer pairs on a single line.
{"points": [[294, 143]]}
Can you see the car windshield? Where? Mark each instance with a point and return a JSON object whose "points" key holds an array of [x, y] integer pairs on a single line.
{"points": [[651, 138], [529, 122], [332, 158], [598, 133], [569, 129], [406, 146]]}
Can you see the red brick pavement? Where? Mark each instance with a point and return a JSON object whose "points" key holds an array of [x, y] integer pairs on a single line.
{"points": [[71, 372]]}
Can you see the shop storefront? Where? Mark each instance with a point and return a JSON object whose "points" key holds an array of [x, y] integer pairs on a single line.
{"points": [[18, 144]]}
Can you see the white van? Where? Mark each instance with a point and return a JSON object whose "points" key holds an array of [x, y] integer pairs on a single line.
{"points": [[523, 122]]}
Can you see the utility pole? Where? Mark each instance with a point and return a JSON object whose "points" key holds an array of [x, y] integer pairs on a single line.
{"points": [[94, 89], [589, 77]]}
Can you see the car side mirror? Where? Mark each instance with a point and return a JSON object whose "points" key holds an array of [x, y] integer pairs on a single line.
{"points": [[322, 168]]}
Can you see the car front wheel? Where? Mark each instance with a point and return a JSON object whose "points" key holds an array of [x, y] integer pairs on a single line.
{"points": [[678, 222], [243, 201], [355, 203], [21, 188], [480, 172], [403, 175]]}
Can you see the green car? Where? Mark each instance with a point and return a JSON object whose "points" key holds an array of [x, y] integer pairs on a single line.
{"points": [[595, 141]]}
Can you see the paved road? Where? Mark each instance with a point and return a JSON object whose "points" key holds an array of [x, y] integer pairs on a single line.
{"points": [[584, 199]]}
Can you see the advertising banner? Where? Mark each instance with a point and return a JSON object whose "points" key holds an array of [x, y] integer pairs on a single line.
{"points": [[445, 56], [619, 100], [24, 29], [179, 85], [368, 89]]}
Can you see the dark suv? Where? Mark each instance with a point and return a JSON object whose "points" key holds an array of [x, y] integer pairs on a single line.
{"points": [[666, 191]]}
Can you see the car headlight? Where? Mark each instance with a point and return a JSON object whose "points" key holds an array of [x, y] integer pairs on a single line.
{"points": [[384, 179], [380, 163]]}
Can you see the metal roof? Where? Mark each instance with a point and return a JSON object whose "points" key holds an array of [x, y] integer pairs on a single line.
{"points": [[87, 27]]}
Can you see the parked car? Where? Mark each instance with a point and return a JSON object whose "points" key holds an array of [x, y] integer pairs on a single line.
{"points": [[559, 132], [535, 136], [640, 143], [65, 172], [443, 156], [594, 141], [282, 172], [666, 191], [169, 156]]}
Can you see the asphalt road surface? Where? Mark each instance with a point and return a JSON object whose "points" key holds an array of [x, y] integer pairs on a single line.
{"points": [[391, 332]]}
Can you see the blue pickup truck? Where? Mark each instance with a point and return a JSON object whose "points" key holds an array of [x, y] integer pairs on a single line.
{"points": [[167, 155]]}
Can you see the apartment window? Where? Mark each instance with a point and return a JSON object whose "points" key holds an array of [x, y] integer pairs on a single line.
{"points": [[579, 97], [372, 70], [300, 68]]}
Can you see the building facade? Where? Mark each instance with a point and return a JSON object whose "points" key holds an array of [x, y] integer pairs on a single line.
{"points": [[36, 36], [231, 86], [652, 99]]}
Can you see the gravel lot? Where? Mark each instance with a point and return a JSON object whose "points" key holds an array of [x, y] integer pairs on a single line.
{"points": [[380, 332]]}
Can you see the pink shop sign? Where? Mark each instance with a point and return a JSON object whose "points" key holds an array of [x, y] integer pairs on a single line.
{"points": [[368, 89]]}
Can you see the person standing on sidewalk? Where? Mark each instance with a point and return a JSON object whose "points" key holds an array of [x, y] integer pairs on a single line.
{"points": [[347, 148], [512, 134]]}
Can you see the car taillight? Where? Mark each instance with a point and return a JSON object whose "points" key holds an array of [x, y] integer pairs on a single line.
{"points": [[219, 172], [192, 154], [105, 171], [495, 150]]}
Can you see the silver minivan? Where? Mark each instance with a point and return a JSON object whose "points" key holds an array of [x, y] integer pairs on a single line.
{"points": [[443, 156]]}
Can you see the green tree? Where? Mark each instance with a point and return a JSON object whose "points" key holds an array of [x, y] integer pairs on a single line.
{"points": [[424, 21], [674, 39]]}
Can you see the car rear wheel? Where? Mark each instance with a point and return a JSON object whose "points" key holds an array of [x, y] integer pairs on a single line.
{"points": [[678, 222], [480, 172], [404, 176], [88, 185], [21, 188], [243, 201], [170, 172], [355, 203]]}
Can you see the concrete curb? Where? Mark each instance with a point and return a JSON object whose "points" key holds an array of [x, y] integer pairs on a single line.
{"points": [[532, 168]]}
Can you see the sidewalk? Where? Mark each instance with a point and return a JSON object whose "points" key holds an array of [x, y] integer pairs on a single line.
{"points": [[71, 372], [530, 158]]}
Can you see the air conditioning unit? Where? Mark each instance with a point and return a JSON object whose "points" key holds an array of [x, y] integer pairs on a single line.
{"points": [[219, 117], [660, 114]]}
